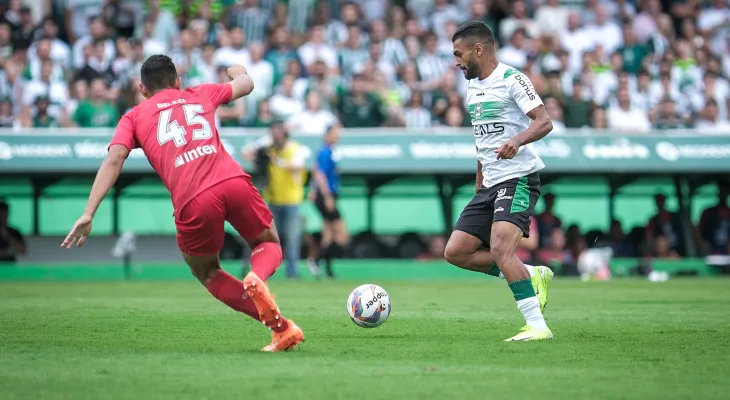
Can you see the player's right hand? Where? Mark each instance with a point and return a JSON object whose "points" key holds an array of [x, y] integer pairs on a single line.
{"points": [[236, 70], [80, 232]]}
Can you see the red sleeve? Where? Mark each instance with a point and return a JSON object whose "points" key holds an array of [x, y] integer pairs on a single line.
{"points": [[218, 94], [124, 134]]}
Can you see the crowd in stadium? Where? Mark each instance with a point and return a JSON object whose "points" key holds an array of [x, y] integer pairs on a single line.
{"points": [[624, 65]]}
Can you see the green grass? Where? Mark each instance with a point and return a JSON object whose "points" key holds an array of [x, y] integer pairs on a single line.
{"points": [[161, 340]]}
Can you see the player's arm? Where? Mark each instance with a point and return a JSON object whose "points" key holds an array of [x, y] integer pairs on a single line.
{"points": [[540, 126], [241, 84], [524, 95], [106, 177]]}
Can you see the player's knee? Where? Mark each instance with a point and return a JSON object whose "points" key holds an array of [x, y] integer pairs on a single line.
{"points": [[268, 235], [455, 254], [500, 247]]}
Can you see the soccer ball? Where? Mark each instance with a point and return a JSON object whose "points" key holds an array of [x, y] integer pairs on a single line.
{"points": [[368, 306]]}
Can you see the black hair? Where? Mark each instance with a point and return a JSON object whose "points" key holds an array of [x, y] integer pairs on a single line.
{"points": [[158, 72], [474, 29]]}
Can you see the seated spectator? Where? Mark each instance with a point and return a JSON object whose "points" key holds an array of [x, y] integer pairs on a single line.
{"points": [[97, 111], [665, 223], [554, 252], [661, 249], [415, 115], [283, 103], [7, 119], [577, 108], [455, 118], [40, 117], [312, 120], [436, 247], [359, 107], [667, 116], [555, 111], [515, 53], [528, 245], [551, 18], [616, 240], [714, 226], [54, 91], [518, 19], [316, 49], [264, 117], [12, 243], [60, 52], [97, 32], [709, 122], [625, 118], [599, 119], [547, 220]]}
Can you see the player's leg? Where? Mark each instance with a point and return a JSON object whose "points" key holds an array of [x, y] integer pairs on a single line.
{"points": [[514, 202], [200, 238], [471, 232], [250, 216]]}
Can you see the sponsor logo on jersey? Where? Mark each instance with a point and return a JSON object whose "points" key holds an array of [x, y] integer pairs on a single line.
{"points": [[527, 86], [478, 110], [192, 155], [500, 209]]}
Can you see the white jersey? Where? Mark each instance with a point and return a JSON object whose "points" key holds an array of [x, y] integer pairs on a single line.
{"points": [[498, 106]]}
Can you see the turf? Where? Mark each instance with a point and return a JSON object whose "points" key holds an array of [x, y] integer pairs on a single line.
{"points": [[161, 340]]}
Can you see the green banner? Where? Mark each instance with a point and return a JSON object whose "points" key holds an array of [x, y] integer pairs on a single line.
{"points": [[396, 151]]}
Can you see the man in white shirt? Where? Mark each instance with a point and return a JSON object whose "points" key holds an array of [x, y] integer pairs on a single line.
{"points": [[97, 31], [518, 19], [576, 42], [515, 54], [284, 103], [232, 50], [316, 49], [551, 18], [313, 120], [624, 118], [710, 123], [714, 24], [605, 32], [44, 86]]}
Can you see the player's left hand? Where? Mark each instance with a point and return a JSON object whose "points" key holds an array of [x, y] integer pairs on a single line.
{"points": [[508, 149], [79, 232]]}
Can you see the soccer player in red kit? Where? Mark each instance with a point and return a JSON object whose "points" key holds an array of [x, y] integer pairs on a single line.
{"points": [[176, 130]]}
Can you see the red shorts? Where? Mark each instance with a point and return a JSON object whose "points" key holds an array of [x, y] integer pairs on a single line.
{"points": [[200, 223]]}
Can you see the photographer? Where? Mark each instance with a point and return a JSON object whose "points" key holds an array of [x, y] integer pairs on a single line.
{"points": [[280, 165]]}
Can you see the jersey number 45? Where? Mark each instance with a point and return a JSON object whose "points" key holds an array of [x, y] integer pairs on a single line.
{"points": [[168, 130]]}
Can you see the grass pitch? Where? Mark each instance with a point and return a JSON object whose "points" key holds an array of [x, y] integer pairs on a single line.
{"points": [[171, 340]]}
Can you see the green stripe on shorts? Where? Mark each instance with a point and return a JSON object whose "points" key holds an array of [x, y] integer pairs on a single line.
{"points": [[521, 199]]}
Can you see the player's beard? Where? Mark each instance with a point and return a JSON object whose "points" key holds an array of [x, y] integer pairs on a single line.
{"points": [[472, 69]]}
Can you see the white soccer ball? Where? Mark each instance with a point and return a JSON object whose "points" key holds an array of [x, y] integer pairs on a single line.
{"points": [[368, 306]]}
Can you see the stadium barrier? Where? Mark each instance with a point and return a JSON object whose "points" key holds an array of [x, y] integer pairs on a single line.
{"points": [[388, 151]]}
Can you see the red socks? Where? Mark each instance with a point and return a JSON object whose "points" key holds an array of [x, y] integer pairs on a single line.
{"points": [[265, 259], [229, 290]]}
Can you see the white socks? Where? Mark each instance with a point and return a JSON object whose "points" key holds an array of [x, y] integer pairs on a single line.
{"points": [[530, 269], [530, 308]]}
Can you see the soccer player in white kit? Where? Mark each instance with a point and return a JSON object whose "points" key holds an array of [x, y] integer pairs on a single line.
{"points": [[507, 115]]}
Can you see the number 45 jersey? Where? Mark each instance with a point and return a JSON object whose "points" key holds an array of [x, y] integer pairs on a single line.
{"points": [[498, 106], [176, 130]]}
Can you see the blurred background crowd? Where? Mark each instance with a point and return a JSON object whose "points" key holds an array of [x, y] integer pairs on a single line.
{"points": [[625, 65]]}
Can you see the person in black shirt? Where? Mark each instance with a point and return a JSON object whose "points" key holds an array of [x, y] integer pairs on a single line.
{"points": [[12, 243]]}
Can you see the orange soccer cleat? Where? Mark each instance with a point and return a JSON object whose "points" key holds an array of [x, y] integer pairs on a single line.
{"points": [[287, 340]]}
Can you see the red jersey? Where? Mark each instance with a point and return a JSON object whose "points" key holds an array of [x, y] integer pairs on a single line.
{"points": [[176, 130]]}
